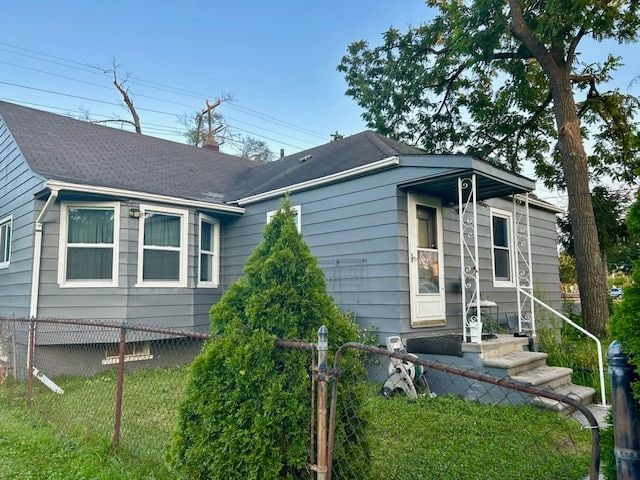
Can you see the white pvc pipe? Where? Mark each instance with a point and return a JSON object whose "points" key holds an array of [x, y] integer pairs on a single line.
{"points": [[37, 254], [587, 333]]}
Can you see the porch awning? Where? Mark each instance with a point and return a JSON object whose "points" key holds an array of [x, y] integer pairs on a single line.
{"points": [[491, 182]]}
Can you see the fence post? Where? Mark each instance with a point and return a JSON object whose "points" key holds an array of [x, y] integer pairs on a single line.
{"points": [[323, 347], [626, 426], [119, 384], [31, 347]]}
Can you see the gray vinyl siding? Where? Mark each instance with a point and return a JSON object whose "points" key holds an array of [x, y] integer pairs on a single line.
{"points": [[18, 184], [174, 307], [358, 231]]}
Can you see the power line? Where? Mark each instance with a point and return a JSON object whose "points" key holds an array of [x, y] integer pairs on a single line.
{"points": [[180, 91], [164, 129], [140, 95], [106, 102]]}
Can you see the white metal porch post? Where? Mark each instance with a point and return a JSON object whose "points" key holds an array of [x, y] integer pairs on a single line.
{"points": [[523, 265], [469, 274]]}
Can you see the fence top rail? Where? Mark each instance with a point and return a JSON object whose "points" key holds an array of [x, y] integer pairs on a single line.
{"points": [[482, 377], [297, 345]]}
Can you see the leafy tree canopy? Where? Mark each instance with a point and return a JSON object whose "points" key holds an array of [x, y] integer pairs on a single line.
{"points": [[463, 83], [610, 208]]}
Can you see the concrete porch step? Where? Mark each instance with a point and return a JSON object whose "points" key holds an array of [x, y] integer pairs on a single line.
{"points": [[497, 347], [545, 376], [578, 392], [516, 362]]}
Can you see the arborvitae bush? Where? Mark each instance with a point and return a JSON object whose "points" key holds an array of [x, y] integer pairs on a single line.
{"points": [[247, 407]]}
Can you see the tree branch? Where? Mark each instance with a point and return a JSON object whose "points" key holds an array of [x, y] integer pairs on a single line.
{"points": [[523, 32], [113, 120], [125, 95], [571, 51], [585, 78], [512, 55]]}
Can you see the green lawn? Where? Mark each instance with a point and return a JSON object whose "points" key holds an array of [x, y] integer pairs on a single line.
{"points": [[441, 438]]}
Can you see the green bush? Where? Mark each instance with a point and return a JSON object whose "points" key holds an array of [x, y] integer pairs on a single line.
{"points": [[248, 403]]}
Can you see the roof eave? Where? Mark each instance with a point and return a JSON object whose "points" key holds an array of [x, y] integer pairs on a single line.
{"points": [[368, 168], [59, 185]]}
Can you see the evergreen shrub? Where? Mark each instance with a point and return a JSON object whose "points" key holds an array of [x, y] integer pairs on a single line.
{"points": [[247, 407]]}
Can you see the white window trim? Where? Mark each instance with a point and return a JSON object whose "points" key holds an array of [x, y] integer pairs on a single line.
{"points": [[62, 249], [295, 208], [7, 220], [496, 212], [215, 274], [183, 249], [132, 357]]}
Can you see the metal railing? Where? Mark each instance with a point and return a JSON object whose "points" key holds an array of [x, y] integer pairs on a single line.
{"points": [[603, 398]]}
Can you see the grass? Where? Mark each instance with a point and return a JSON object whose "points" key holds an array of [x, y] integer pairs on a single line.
{"points": [[440, 438], [449, 438], [32, 450]]}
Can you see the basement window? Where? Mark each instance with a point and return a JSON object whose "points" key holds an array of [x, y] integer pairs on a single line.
{"points": [[134, 352]]}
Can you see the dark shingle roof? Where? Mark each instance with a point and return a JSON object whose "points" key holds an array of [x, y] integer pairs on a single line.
{"points": [[350, 152], [62, 148]]}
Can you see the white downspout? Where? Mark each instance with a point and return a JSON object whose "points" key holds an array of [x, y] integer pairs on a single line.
{"points": [[37, 254]]}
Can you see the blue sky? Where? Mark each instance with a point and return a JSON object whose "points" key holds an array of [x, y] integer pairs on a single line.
{"points": [[277, 58]]}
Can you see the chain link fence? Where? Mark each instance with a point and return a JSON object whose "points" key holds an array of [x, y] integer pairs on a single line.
{"points": [[107, 384], [121, 386], [447, 421]]}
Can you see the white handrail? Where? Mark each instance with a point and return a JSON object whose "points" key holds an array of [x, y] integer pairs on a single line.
{"points": [[586, 332]]}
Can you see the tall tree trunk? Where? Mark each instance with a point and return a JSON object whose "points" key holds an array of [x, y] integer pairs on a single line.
{"points": [[592, 280]]}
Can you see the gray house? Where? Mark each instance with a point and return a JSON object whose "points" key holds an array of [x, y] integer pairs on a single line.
{"points": [[97, 223]]}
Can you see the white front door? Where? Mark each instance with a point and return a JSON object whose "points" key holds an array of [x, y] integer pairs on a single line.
{"points": [[426, 266]]}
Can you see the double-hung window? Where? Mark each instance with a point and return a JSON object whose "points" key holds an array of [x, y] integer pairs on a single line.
{"points": [[6, 225], [162, 247], [297, 213], [209, 259], [89, 236], [502, 248]]}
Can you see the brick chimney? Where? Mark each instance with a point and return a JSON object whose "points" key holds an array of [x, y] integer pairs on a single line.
{"points": [[210, 143]]}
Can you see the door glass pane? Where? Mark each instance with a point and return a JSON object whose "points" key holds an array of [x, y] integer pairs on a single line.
{"points": [[88, 225], [500, 232], [428, 272], [161, 230], [206, 237], [501, 264], [161, 265], [426, 217], [89, 263]]}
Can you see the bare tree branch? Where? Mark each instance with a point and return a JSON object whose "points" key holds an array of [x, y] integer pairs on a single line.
{"points": [[125, 94], [114, 120]]}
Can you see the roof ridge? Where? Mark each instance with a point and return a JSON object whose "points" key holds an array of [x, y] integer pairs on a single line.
{"points": [[124, 132], [379, 143]]}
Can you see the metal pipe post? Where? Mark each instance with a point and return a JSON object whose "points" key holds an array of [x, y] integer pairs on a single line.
{"points": [[119, 384], [323, 348], [30, 354], [626, 425]]}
